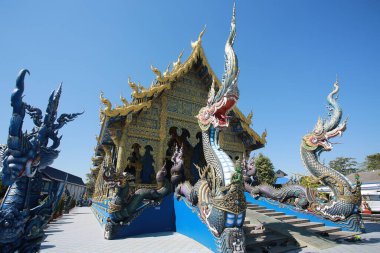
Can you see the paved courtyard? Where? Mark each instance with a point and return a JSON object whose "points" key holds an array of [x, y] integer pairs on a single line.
{"points": [[370, 243], [80, 232]]}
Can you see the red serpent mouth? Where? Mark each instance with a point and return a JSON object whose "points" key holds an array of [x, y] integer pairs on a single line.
{"points": [[221, 113]]}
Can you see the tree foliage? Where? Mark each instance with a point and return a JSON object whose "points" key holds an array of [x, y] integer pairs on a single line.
{"points": [[372, 162], [90, 183], [344, 165], [264, 169], [309, 182]]}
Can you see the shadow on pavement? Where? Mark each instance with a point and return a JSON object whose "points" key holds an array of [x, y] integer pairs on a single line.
{"points": [[66, 218], [363, 241], [63, 222], [147, 235], [53, 231], [47, 246]]}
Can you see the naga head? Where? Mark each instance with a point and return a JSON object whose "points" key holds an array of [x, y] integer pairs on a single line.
{"points": [[28, 152], [219, 105], [318, 139], [249, 169]]}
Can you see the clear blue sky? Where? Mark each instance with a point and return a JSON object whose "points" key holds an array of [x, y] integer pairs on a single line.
{"points": [[289, 54]]}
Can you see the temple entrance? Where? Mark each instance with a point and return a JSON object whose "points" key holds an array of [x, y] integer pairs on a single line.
{"points": [[191, 154], [141, 166]]}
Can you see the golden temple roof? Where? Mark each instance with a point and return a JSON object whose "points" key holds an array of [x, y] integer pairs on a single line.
{"points": [[142, 97]]}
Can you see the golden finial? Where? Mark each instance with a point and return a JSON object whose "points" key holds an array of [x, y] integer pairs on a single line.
{"points": [[132, 85], [105, 102], [178, 62], [156, 71], [142, 88], [264, 136], [198, 42], [166, 73], [124, 100], [249, 117]]}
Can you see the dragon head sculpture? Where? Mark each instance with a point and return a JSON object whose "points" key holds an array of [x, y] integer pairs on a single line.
{"points": [[26, 153], [219, 105], [318, 139]]}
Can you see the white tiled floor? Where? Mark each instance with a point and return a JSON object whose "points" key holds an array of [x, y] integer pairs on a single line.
{"points": [[79, 231]]}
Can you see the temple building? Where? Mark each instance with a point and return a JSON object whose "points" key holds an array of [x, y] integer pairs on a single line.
{"points": [[140, 136]]}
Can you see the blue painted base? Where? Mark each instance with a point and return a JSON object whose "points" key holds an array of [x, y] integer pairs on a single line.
{"points": [[171, 215], [188, 223], [291, 210], [152, 220]]}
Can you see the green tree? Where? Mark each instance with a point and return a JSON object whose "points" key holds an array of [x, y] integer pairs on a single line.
{"points": [[344, 165], [309, 182], [264, 169], [91, 181], [372, 162]]}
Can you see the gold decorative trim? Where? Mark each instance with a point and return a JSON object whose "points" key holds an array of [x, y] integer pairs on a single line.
{"points": [[163, 130], [140, 92], [233, 202], [142, 97], [123, 110]]}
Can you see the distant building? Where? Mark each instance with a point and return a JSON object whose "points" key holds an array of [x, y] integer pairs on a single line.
{"points": [[280, 173], [281, 178], [74, 184], [366, 176]]}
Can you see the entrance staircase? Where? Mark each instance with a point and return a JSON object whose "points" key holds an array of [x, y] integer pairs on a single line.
{"points": [[273, 231]]}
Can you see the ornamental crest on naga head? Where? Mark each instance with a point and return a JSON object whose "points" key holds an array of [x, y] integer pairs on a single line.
{"points": [[220, 103], [26, 153], [325, 129]]}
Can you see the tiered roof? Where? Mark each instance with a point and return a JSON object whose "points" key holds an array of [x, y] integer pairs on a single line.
{"points": [[142, 98]]}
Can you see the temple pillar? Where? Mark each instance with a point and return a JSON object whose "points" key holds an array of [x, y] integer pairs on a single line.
{"points": [[122, 150], [163, 131]]}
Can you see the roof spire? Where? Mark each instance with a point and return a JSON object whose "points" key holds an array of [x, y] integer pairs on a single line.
{"points": [[178, 62], [233, 13], [198, 42]]}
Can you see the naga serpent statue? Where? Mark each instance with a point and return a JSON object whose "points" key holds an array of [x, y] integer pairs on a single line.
{"points": [[23, 214], [129, 203], [297, 192], [343, 208], [346, 199], [219, 193]]}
